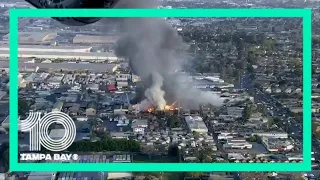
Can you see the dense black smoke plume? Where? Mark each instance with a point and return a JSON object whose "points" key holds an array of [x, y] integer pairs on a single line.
{"points": [[154, 49]]}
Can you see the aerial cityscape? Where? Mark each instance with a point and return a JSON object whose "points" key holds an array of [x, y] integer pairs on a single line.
{"points": [[166, 90]]}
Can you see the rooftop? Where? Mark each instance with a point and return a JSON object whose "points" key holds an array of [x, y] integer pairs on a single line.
{"points": [[139, 122], [195, 123], [32, 36], [57, 133]]}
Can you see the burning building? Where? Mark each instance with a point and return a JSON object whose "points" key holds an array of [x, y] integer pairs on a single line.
{"points": [[154, 49], [147, 106]]}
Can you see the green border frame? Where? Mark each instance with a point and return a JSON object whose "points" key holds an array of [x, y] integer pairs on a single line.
{"points": [[305, 14]]}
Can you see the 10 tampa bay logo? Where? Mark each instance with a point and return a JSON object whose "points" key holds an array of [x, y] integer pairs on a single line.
{"points": [[38, 128]]}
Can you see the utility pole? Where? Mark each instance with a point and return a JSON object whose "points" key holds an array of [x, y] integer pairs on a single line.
{"points": [[287, 127], [240, 81], [102, 175], [179, 107]]}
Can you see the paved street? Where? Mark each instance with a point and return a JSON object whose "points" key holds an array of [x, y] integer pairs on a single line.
{"points": [[275, 109]]}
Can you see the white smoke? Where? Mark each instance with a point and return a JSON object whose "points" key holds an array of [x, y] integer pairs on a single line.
{"points": [[153, 48], [143, 105], [155, 94]]}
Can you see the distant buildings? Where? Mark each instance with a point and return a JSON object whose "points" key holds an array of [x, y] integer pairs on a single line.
{"points": [[247, 27], [139, 126], [55, 81], [91, 109], [91, 39], [275, 145], [119, 158], [93, 87], [42, 176], [279, 135], [237, 143], [196, 124], [57, 106], [33, 37]]}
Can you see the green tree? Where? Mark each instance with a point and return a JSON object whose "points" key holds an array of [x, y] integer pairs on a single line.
{"points": [[89, 91], [195, 133], [23, 107], [149, 150], [4, 155], [276, 120], [251, 58], [250, 68], [173, 122], [150, 177], [259, 140], [246, 112], [107, 144], [194, 174], [252, 139], [173, 150], [270, 122], [297, 177], [269, 45], [261, 38], [93, 135], [205, 155], [5, 158]]}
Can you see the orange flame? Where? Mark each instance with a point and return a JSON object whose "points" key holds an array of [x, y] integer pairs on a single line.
{"points": [[167, 107], [150, 110]]}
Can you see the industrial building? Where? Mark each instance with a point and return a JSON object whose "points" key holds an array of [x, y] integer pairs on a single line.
{"points": [[36, 77], [93, 87], [235, 112], [120, 135], [280, 135], [196, 124], [55, 81], [275, 145], [139, 125], [237, 143], [41, 48], [87, 175], [122, 158], [94, 39], [123, 77], [33, 37], [101, 175], [57, 106], [42, 176]]}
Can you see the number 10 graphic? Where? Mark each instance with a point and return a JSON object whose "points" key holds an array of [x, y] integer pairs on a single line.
{"points": [[39, 131]]}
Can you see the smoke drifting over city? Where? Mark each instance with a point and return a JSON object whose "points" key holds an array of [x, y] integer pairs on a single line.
{"points": [[154, 50]]}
